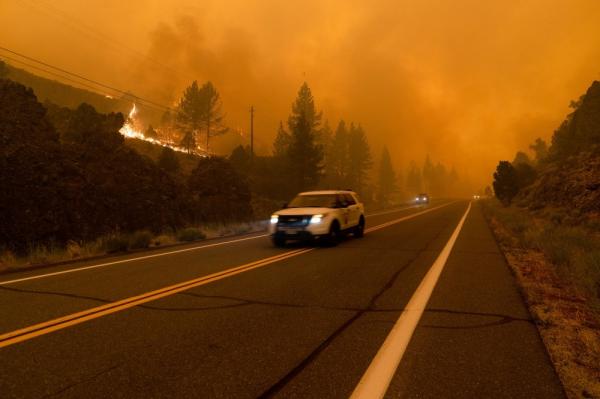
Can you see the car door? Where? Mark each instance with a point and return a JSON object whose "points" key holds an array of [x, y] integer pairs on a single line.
{"points": [[353, 210], [344, 211]]}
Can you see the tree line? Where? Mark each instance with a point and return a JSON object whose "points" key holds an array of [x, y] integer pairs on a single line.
{"points": [[66, 174], [308, 154]]}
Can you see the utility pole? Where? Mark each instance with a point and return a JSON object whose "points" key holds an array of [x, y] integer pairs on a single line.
{"points": [[252, 131]]}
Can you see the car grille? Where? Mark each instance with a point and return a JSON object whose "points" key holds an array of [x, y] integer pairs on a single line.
{"points": [[293, 220]]}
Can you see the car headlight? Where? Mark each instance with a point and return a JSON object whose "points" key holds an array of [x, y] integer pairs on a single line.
{"points": [[274, 219], [316, 218], [417, 199]]}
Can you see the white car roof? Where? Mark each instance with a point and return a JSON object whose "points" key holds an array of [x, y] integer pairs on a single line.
{"points": [[323, 192]]}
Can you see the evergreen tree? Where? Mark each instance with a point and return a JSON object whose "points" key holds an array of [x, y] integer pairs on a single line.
{"points": [[282, 142], [304, 107], [521, 158], [213, 115], [240, 159], [305, 155], [190, 115], [540, 149], [359, 158], [439, 180], [337, 165], [199, 109], [325, 139], [387, 179], [188, 142], [428, 174], [506, 185], [413, 179]]}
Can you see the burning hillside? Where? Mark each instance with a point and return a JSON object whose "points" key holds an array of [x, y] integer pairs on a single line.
{"points": [[132, 128]]}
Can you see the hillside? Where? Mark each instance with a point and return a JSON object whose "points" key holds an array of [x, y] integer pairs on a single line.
{"points": [[569, 177], [572, 185], [66, 95]]}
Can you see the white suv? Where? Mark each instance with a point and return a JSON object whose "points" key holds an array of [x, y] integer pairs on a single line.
{"points": [[324, 215]]}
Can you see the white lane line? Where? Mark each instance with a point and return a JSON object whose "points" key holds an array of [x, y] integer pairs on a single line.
{"points": [[130, 260], [374, 383], [392, 211], [78, 269], [410, 216]]}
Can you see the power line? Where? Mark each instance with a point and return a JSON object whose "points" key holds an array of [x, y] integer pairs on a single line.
{"points": [[74, 23], [5, 57], [164, 107], [93, 88]]}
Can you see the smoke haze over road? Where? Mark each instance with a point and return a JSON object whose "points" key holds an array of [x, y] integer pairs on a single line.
{"points": [[467, 82]]}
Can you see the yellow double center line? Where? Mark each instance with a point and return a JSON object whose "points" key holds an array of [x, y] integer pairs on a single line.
{"points": [[113, 307], [36, 330]]}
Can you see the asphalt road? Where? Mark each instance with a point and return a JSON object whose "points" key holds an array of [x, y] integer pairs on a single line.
{"points": [[307, 323]]}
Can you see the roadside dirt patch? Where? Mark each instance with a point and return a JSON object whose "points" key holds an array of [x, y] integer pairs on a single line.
{"points": [[569, 328]]}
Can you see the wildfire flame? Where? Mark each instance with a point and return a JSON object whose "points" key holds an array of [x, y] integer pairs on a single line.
{"points": [[132, 129]]}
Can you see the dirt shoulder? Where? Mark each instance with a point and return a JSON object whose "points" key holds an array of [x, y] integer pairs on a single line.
{"points": [[563, 312]]}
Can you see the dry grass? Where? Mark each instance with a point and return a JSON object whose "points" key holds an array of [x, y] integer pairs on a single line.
{"points": [[563, 311], [121, 243]]}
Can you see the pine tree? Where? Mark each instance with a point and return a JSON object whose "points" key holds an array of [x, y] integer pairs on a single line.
{"points": [[428, 172], [304, 107], [200, 109], [213, 115], [359, 158], [521, 157], [190, 115], [282, 142], [304, 154], [387, 179], [413, 179], [337, 159], [540, 149]]}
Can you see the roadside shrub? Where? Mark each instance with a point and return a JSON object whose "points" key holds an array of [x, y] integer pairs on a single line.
{"points": [[140, 239], [190, 234], [116, 243], [163, 239], [7, 259]]}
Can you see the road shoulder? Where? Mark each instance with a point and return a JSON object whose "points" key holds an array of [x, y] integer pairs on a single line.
{"points": [[476, 338]]}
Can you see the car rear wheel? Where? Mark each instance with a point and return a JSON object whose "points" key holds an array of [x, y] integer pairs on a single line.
{"points": [[359, 230]]}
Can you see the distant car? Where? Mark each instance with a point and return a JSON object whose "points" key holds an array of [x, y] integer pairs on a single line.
{"points": [[422, 199], [321, 215]]}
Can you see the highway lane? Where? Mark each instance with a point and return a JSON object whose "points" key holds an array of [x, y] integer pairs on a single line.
{"points": [[308, 326], [52, 296]]}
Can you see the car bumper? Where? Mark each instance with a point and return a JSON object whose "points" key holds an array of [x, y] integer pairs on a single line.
{"points": [[300, 233]]}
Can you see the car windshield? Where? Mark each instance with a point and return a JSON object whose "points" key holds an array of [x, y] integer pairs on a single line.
{"points": [[313, 201]]}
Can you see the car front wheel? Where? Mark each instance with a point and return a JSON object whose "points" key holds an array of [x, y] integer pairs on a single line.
{"points": [[334, 235], [279, 240]]}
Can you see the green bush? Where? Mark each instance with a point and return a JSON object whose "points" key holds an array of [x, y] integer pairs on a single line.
{"points": [[190, 234], [116, 243], [140, 239]]}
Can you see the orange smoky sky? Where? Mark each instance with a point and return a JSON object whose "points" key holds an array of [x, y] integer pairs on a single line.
{"points": [[468, 82]]}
